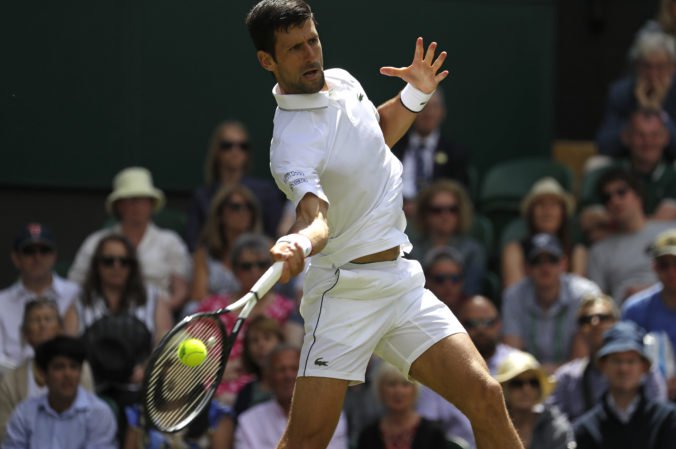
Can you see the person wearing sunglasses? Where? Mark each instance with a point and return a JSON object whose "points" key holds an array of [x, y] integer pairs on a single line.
{"points": [[619, 264], [234, 211], [444, 276], [114, 285], [227, 164], [249, 259], [526, 386], [580, 383], [539, 312], [654, 309], [34, 254], [444, 215], [625, 417]]}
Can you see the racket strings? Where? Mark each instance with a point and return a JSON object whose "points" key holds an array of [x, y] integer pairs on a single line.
{"points": [[176, 392]]}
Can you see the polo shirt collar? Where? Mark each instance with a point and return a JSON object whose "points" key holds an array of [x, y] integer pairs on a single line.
{"points": [[300, 102], [53, 290], [81, 404]]}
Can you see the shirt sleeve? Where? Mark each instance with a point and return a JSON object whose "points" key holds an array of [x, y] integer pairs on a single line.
{"points": [[298, 151], [18, 434], [102, 428]]}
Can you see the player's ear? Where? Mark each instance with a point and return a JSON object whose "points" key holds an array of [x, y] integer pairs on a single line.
{"points": [[266, 60]]}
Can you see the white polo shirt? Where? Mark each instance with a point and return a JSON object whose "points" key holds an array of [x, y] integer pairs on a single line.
{"points": [[13, 301], [330, 144]]}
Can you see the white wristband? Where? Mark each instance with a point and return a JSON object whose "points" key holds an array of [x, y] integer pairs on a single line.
{"points": [[302, 241], [413, 99]]}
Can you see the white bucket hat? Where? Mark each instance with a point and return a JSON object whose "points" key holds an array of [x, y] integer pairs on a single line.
{"points": [[550, 187], [134, 182]]}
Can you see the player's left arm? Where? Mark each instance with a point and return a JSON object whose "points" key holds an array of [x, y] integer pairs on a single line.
{"points": [[397, 115]]}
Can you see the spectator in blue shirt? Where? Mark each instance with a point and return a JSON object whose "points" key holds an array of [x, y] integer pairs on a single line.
{"points": [[654, 309], [67, 416]]}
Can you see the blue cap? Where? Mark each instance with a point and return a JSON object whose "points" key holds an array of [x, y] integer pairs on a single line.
{"points": [[622, 337], [34, 233], [543, 244]]}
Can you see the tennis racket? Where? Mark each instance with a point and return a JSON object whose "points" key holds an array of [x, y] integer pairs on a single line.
{"points": [[174, 394]]}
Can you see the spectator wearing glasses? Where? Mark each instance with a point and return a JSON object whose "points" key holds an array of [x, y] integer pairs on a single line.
{"points": [[226, 165], [443, 268], [654, 309], [651, 86], [619, 263], [580, 383], [249, 258], [234, 211], [444, 219], [625, 417], [526, 386], [540, 312], [164, 258], [546, 208], [482, 321], [34, 255], [114, 285]]}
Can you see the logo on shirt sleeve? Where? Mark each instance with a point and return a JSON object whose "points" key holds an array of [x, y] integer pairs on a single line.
{"points": [[294, 178]]}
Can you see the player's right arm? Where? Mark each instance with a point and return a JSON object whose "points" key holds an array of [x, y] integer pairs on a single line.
{"points": [[310, 228]]}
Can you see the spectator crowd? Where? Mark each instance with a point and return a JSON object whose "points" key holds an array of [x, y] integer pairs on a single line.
{"points": [[572, 303]]}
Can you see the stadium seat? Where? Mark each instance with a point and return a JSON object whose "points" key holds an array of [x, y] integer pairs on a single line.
{"points": [[482, 231], [515, 230]]}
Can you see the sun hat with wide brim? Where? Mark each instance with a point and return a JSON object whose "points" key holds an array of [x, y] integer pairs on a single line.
{"points": [[519, 362], [134, 182], [548, 187]]}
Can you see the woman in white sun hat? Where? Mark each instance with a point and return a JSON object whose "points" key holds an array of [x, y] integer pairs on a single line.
{"points": [[164, 258]]}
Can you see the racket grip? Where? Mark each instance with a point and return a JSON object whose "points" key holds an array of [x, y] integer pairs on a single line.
{"points": [[269, 279]]}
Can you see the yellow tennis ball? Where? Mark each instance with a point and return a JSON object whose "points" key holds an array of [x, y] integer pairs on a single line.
{"points": [[192, 352]]}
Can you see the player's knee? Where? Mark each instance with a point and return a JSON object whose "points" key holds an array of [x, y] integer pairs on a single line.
{"points": [[487, 401]]}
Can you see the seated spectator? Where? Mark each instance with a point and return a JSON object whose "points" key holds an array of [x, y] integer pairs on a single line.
{"points": [[595, 224], [226, 165], [619, 263], [427, 156], [481, 319], [580, 383], [546, 209], [646, 138], [401, 425], [34, 255], [41, 323], [165, 262], [654, 309], [234, 211], [361, 406], [262, 426], [651, 86], [114, 285], [526, 386], [444, 216], [249, 258], [444, 277], [67, 415], [540, 312], [625, 417]]}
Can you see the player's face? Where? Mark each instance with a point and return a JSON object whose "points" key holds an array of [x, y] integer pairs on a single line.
{"points": [[298, 63]]}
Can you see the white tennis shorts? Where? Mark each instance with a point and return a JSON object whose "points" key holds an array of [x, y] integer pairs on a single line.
{"points": [[357, 310]]}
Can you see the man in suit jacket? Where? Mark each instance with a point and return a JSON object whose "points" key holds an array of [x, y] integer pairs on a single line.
{"points": [[426, 155]]}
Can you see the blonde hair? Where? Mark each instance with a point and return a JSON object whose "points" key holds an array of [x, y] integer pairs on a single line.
{"points": [[384, 372], [651, 42], [592, 299], [211, 169], [465, 212]]}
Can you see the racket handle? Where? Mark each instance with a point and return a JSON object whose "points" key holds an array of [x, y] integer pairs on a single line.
{"points": [[268, 279]]}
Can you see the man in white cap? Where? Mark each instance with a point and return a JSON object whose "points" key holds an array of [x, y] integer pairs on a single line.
{"points": [[164, 257]]}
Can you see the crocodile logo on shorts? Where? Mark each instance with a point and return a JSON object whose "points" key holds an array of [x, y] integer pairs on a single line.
{"points": [[320, 362]]}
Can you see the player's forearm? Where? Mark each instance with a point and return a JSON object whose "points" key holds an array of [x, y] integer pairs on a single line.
{"points": [[395, 120], [314, 228]]}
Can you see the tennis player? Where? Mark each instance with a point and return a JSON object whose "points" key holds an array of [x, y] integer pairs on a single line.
{"points": [[330, 154]]}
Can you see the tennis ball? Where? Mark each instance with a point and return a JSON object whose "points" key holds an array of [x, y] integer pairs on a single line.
{"points": [[192, 352]]}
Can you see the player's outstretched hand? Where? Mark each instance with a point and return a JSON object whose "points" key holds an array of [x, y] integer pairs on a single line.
{"points": [[422, 73], [292, 255]]}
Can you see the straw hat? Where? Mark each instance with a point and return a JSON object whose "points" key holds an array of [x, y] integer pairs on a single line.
{"points": [[519, 362], [548, 186], [134, 182]]}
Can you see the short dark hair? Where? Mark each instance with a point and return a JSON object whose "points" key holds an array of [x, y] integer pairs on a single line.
{"points": [[62, 345], [269, 16], [619, 175]]}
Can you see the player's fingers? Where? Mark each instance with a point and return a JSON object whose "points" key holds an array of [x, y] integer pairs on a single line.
{"points": [[418, 55], [442, 76], [391, 71], [429, 55], [439, 62]]}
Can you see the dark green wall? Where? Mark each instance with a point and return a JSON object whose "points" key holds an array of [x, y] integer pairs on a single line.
{"points": [[88, 88]]}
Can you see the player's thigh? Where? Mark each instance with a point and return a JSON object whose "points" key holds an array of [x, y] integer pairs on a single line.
{"points": [[315, 410], [454, 368]]}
